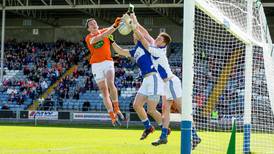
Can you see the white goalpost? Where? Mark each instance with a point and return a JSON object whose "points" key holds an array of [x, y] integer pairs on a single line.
{"points": [[228, 73]]}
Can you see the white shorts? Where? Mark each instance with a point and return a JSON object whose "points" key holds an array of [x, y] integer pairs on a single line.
{"points": [[152, 85], [173, 88], [99, 70]]}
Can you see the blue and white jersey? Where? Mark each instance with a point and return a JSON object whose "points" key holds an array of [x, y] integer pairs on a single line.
{"points": [[142, 58], [161, 62]]}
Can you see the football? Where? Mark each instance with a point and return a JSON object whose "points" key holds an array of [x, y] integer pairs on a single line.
{"points": [[124, 28]]}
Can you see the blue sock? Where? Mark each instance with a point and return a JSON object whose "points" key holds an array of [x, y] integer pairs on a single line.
{"points": [[164, 133], [146, 123], [194, 134]]}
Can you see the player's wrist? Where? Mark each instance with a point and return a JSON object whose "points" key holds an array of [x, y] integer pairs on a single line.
{"points": [[111, 39]]}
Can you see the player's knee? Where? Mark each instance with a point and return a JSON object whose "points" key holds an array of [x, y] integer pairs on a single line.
{"points": [[136, 106], [151, 111], [104, 91], [105, 94], [112, 86], [165, 109]]}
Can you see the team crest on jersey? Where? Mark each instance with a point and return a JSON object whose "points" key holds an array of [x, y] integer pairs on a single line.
{"points": [[98, 44]]}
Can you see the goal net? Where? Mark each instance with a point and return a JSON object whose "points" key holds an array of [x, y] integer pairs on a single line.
{"points": [[233, 76]]}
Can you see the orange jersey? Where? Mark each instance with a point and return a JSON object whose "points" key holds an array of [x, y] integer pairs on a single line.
{"points": [[100, 51]]}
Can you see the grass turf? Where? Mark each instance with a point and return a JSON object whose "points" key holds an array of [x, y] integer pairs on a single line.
{"points": [[68, 139], [30, 139]]}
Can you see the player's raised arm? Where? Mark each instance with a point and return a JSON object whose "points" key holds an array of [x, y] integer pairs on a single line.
{"points": [[152, 50], [120, 51], [106, 33], [141, 38], [142, 30]]}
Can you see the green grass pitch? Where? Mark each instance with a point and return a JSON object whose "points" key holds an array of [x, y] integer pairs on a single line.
{"points": [[98, 140], [33, 140]]}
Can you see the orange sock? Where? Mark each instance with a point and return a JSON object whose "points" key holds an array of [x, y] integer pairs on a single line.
{"points": [[112, 115], [116, 107]]}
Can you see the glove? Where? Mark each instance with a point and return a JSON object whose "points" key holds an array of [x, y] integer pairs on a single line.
{"points": [[111, 38], [117, 22]]}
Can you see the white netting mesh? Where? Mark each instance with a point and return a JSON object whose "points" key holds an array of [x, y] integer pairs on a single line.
{"points": [[236, 11], [219, 82], [262, 113]]}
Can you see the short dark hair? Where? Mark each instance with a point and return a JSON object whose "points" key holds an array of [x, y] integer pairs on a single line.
{"points": [[167, 38], [88, 20]]}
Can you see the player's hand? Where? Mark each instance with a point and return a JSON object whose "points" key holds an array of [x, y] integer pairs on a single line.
{"points": [[117, 22], [134, 18], [133, 26]]}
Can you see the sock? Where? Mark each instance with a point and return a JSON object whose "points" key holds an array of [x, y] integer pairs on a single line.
{"points": [[164, 133], [116, 106], [146, 123], [111, 115]]}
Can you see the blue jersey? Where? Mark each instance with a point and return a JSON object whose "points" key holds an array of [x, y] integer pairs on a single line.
{"points": [[142, 58]]}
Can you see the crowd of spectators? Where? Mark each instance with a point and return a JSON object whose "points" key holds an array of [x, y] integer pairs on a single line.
{"points": [[209, 73], [41, 63]]}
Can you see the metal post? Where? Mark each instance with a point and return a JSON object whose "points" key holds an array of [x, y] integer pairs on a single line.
{"points": [[187, 82], [248, 81], [3, 39]]}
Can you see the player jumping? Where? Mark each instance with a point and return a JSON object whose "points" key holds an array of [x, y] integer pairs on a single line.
{"points": [[151, 89], [173, 88], [102, 65]]}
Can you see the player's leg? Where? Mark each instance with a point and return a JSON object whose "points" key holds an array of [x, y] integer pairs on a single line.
{"points": [[166, 113], [152, 103], [171, 95], [165, 119], [166, 110], [138, 106], [99, 77], [155, 89], [102, 85], [110, 76]]}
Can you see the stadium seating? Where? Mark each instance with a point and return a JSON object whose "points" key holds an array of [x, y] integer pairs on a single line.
{"points": [[79, 87]]}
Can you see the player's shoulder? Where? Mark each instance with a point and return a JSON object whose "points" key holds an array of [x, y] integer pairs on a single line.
{"points": [[158, 48], [162, 50], [88, 36]]}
